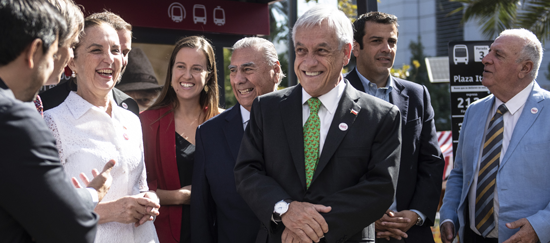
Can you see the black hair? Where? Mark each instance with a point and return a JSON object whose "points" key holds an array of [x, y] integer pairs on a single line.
{"points": [[23, 21], [374, 16]]}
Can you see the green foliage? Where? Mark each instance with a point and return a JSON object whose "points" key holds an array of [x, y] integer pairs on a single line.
{"points": [[494, 16], [230, 99], [439, 93]]}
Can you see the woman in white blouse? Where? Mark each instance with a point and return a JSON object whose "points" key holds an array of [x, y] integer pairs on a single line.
{"points": [[91, 129]]}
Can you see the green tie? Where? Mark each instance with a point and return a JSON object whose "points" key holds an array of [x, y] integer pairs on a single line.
{"points": [[312, 132]]}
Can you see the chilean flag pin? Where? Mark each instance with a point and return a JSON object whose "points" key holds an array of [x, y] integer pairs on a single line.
{"points": [[353, 112]]}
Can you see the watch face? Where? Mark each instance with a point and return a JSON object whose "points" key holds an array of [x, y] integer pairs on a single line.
{"points": [[281, 207]]}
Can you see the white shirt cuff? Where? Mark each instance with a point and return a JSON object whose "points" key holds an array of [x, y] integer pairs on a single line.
{"points": [[422, 216], [93, 193]]}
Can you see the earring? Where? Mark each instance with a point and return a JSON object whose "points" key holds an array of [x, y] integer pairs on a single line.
{"points": [[74, 74], [206, 88]]}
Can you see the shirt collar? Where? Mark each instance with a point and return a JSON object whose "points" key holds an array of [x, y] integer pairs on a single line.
{"points": [[245, 114], [517, 101], [79, 106], [330, 99], [366, 82]]}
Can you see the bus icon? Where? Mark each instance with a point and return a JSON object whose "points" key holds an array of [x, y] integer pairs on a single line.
{"points": [[460, 54], [219, 16], [176, 11], [199, 14]]}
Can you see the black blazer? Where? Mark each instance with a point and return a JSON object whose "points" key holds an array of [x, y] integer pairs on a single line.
{"points": [[38, 203], [421, 169], [218, 212], [356, 172], [56, 95]]}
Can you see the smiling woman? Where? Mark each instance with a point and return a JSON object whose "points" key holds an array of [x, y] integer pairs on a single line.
{"points": [[189, 98], [90, 129]]}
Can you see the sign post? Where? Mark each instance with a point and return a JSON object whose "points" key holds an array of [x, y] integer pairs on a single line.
{"points": [[466, 74]]}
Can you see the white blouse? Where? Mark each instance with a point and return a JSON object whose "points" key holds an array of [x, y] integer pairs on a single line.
{"points": [[87, 138]]}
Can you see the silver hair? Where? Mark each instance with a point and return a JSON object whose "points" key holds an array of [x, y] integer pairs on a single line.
{"points": [[270, 53], [532, 49], [337, 20]]}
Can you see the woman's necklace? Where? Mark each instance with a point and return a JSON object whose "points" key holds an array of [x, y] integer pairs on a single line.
{"points": [[186, 125]]}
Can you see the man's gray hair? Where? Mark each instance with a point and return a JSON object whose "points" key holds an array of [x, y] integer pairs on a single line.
{"points": [[336, 20], [532, 49], [270, 53]]}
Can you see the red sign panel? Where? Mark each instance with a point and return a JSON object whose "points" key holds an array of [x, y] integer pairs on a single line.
{"points": [[216, 16]]}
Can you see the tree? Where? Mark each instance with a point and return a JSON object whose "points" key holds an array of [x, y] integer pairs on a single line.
{"points": [[441, 101], [494, 16]]}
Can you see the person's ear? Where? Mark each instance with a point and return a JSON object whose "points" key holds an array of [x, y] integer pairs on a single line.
{"points": [[355, 48], [347, 53], [526, 68], [33, 53], [278, 71]]}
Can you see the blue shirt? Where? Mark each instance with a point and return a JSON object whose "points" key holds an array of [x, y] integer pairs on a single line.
{"points": [[372, 88]]}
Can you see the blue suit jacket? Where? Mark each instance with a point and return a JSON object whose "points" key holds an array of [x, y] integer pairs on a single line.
{"points": [[218, 212], [522, 178]]}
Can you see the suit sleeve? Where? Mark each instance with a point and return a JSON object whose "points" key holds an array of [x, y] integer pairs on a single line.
{"points": [[430, 166], [365, 202], [202, 205], [250, 171], [36, 190], [453, 193]]}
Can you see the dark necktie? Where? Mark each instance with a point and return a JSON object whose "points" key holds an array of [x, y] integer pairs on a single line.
{"points": [[487, 176], [312, 131], [38, 105]]}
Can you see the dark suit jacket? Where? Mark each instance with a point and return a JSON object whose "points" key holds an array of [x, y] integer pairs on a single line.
{"points": [[38, 201], [218, 212], [159, 143], [356, 172], [421, 169], [56, 95]]}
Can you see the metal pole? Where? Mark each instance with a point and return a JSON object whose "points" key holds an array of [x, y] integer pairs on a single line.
{"points": [[292, 16]]}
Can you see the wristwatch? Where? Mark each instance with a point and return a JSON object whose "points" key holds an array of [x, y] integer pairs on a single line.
{"points": [[280, 209], [419, 220]]}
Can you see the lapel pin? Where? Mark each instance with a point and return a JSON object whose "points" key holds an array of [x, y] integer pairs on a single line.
{"points": [[353, 112], [534, 110], [343, 126], [124, 105]]}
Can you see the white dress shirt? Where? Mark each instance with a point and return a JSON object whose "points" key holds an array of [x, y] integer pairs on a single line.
{"points": [[87, 138], [245, 115], [515, 107], [329, 103]]}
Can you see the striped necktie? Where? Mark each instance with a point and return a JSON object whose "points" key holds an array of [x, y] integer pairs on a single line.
{"points": [[487, 176], [312, 131]]}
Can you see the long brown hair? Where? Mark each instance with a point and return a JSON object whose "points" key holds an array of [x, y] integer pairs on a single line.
{"points": [[208, 99]]}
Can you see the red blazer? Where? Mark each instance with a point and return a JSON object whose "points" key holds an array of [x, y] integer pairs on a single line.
{"points": [[162, 171]]}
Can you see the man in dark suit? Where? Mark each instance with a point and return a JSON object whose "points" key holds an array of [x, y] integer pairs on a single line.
{"points": [[421, 165], [56, 95], [498, 189], [308, 166], [38, 202], [218, 212]]}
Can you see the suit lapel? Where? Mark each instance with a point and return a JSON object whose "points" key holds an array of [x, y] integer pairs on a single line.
{"points": [[233, 130], [401, 100], [479, 128], [335, 134], [167, 144], [291, 104], [525, 122], [354, 80]]}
